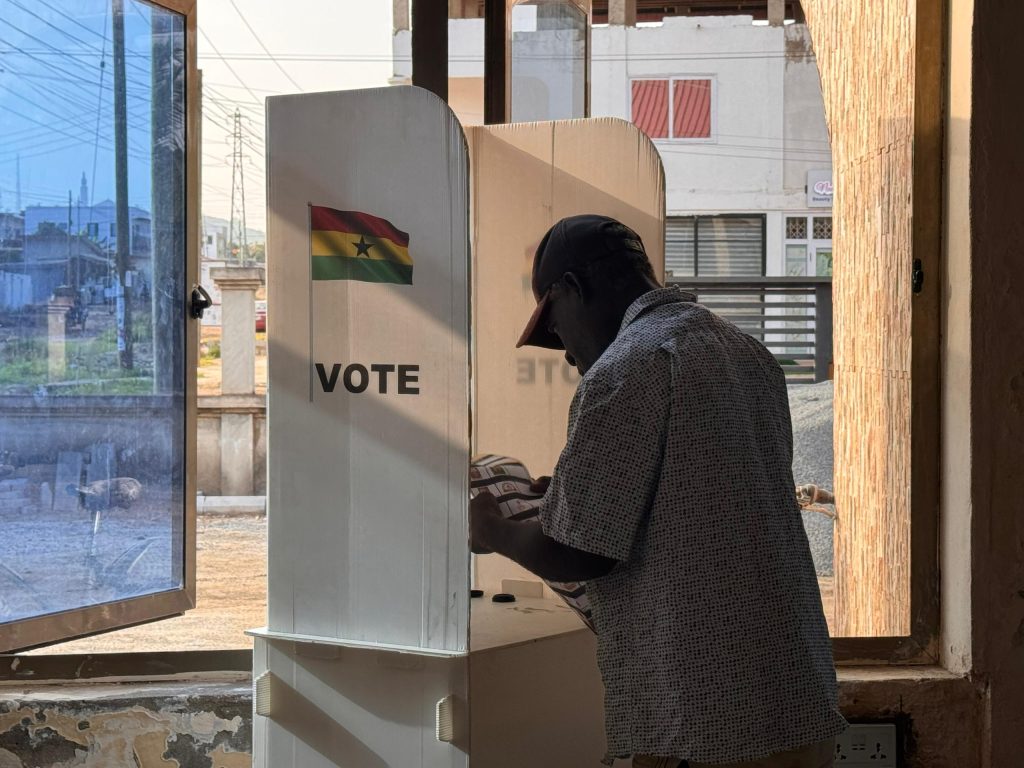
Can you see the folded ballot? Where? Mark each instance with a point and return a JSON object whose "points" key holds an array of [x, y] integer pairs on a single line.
{"points": [[509, 482]]}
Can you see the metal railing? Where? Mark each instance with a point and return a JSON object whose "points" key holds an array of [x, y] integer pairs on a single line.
{"points": [[791, 316]]}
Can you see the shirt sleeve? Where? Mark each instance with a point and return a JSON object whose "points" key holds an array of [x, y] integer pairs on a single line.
{"points": [[606, 477]]}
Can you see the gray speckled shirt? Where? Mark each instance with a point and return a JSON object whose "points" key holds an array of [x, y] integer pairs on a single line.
{"points": [[712, 641]]}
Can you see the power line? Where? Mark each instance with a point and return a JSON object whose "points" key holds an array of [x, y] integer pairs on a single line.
{"points": [[253, 31], [53, 48], [228, 65], [99, 107]]}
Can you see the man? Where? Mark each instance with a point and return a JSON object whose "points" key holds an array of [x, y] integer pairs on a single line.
{"points": [[674, 499]]}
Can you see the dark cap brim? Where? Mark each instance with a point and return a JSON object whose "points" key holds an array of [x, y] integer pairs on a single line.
{"points": [[536, 333]]}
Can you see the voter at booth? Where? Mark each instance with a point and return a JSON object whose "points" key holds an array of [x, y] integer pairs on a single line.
{"points": [[674, 500]]}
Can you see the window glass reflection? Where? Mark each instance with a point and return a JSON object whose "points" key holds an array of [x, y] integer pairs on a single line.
{"points": [[92, 258]]}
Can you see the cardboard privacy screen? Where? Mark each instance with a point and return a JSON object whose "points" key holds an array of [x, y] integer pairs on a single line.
{"points": [[525, 177]]}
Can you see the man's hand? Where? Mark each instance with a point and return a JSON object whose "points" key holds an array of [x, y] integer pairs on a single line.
{"points": [[484, 517], [540, 485]]}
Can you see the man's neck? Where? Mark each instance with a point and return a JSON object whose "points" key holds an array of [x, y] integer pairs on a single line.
{"points": [[622, 300]]}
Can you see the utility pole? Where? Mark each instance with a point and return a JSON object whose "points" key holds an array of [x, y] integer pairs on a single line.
{"points": [[124, 315], [67, 264], [241, 242]]}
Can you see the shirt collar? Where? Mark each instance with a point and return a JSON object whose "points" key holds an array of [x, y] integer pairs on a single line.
{"points": [[652, 299]]}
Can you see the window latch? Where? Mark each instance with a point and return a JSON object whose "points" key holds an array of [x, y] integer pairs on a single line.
{"points": [[201, 302], [917, 276]]}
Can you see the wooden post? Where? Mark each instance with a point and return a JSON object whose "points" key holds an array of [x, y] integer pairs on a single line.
{"points": [[430, 46], [495, 61]]}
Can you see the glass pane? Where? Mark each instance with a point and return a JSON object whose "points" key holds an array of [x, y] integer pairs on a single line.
{"points": [[92, 369], [823, 262], [691, 109], [822, 228], [549, 61], [796, 260]]}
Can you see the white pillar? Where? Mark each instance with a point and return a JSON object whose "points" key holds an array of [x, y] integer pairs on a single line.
{"points": [[56, 331], [400, 15], [238, 327], [238, 373], [622, 13]]}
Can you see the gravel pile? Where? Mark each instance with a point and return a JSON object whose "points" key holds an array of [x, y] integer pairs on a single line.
{"points": [[811, 408]]}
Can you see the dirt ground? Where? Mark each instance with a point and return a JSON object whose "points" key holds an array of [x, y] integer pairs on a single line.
{"points": [[231, 582], [209, 366], [231, 586]]}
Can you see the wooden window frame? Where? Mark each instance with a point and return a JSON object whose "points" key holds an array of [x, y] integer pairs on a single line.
{"points": [[921, 645]]}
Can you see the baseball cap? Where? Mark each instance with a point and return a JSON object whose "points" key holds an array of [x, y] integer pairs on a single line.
{"points": [[571, 245]]}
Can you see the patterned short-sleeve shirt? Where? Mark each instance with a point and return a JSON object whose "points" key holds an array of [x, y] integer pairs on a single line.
{"points": [[712, 641]]}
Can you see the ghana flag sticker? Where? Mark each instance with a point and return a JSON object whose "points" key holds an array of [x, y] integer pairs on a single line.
{"points": [[349, 245]]}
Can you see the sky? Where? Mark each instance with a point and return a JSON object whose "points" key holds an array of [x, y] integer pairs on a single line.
{"points": [[56, 96]]}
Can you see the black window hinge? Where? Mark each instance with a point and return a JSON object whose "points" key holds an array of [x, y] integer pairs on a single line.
{"points": [[917, 276]]}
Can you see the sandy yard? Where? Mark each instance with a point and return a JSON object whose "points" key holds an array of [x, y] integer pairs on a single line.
{"points": [[231, 584], [208, 380]]}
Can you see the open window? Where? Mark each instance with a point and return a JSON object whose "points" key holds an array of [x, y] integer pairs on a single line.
{"points": [[880, 146], [97, 346]]}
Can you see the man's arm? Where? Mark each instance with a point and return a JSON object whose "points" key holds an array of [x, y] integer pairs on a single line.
{"points": [[524, 542]]}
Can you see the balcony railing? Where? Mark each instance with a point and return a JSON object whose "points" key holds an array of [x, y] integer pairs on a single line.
{"points": [[791, 316]]}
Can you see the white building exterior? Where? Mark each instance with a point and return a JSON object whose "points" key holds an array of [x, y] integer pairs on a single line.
{"points": [[767, 134], [97, 222]]}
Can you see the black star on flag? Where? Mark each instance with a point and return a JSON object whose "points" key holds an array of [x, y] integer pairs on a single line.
{"points": [[363, 247]]}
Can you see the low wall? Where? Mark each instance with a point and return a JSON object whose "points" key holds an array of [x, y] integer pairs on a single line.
{"points": [[211, 411], [209, 725]]}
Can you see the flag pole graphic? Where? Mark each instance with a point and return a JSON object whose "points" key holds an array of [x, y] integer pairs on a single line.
{"points": [[309, 222]]}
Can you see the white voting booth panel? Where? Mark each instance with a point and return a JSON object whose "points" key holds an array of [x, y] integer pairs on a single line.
{"points": [[368, 531], [370, 656]]}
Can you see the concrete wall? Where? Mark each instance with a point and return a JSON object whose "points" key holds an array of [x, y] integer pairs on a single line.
{"points": [[210, 446], [193, 725]]}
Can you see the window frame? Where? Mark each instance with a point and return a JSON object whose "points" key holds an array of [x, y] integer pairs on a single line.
{"points": [[712, 79], [921, 646], [90, 620]]}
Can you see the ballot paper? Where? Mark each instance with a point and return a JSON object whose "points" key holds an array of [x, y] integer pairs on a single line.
{"points": [[509, 482]]}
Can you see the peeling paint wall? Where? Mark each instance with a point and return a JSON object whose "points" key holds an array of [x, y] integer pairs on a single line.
{"points": [[173, 725]]}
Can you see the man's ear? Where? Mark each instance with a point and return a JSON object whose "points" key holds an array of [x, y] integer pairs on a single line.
{"points": [[573, 283]]}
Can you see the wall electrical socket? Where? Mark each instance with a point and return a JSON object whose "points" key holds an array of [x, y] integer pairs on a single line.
{"points": [[867, 744]]}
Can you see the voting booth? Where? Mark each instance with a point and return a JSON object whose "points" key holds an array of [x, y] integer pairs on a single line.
{"points": [[399, 253]]}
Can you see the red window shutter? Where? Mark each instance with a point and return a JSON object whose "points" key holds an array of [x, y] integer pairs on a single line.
{"points": [[650, 107], [691, 109]]}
